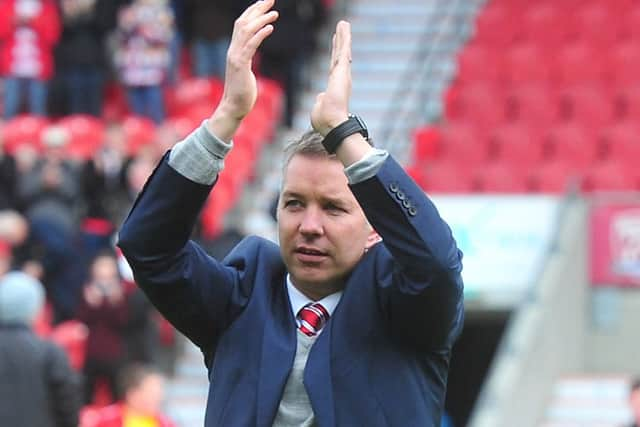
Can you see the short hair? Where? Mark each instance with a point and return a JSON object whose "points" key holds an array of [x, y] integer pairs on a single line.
{"points": [[21, 298], [132, 376], [308, 144]]}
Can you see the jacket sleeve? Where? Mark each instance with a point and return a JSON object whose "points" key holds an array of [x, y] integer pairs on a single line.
{"points": [[65, 388], [197, 294], [420, 264]]}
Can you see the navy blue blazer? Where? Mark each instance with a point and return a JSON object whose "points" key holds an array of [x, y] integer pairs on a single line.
{"points": [[383, 357]]}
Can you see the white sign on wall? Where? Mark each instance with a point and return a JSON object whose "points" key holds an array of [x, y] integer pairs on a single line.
{"points": [[505, 241]]}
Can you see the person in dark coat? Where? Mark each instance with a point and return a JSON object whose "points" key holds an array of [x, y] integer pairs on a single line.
{"points": [[38, 386]]}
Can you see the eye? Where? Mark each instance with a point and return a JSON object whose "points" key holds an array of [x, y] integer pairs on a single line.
{"points": [[334, 209], [292, 203]]}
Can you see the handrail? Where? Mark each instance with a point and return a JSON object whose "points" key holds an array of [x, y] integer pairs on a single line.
{"points": [[419, 71]]}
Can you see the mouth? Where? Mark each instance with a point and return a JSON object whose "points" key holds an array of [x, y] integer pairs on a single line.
{"points": [[309, 255]]}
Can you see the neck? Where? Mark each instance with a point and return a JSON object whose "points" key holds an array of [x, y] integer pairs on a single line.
{"points": [[316, 291]]}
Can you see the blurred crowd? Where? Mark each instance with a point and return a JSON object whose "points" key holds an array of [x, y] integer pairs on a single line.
{"points": [[57, 56], [59, 213]]}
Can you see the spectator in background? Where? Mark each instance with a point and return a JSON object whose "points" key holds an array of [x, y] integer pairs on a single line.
{"points": [[29, 30], [38, 386], [211, 24], [50, 195], [81, 56], [8, 178], [144, 34], [634, 401], [142, 389], [104, 310]]}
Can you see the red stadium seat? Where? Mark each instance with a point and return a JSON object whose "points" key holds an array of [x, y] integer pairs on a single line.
{"points": [[526, 63], [536, 104], [597, 23], [611, 176], [552, 177], [571, 144], [627, 101], [501, 177], [72, 337], [480, 103], [461, 144], [542, 24], [193, 91], [139, 131], [495, 26], [588, 106], [480, 63], [623, 63], [86, 132], [426, 141], [518, 145], [447, 177], [622, 143], [270, 97], [23, 130], [578, 63]]}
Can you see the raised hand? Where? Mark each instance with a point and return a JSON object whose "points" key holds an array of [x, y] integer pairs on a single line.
{"points": [[240, 86], [332, 105]]}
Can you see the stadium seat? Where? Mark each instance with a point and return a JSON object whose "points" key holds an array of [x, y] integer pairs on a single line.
{"points": [[463, 145], [139, 131], [551, 177], [478, 62], [500, 177], [495, 27], [621, 143], [623, 62], [270, 97], [426, 141], [611, 175], [570, 144], [542, 24], [23, 130], [72, 337], [518, 145], [526, 63], [193, 91], [588, 106], [87, 135], [627, 101], [578, 63], [535, 104], [596, 23], [447, 177], [479, 103]]}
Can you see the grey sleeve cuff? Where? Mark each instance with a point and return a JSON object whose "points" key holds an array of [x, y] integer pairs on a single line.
{"points": [[200, 156], [366, 167]]}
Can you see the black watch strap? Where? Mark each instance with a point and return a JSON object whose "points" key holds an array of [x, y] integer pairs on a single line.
{"points": [[334, 138]]}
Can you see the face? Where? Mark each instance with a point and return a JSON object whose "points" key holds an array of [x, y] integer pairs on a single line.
{"points": [[105, 270], [322, 230], [147, 397]]}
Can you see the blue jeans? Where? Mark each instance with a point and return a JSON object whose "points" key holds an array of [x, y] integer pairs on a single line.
{"points": [[146, 101], [83, 86], [36, 96], [210, 57]]}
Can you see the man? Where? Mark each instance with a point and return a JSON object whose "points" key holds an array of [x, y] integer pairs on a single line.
{"points": [[38, 386], [375, 320], [142, 393]]}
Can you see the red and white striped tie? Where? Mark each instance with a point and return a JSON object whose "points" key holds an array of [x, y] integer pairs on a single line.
{"points": [[312, 317]]}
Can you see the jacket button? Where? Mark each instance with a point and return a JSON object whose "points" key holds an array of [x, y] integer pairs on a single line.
{"points": [[393, 187], [406, 203], [412, 211], [400, 195]]}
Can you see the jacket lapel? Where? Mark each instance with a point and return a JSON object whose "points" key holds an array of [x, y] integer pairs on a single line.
{"points": [[317, 378], [278, 352]]}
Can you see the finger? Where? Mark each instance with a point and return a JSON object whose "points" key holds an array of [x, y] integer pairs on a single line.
{"points": [[333, 53], [343, 42], [259, 8], [257, 39], [260, 22]]}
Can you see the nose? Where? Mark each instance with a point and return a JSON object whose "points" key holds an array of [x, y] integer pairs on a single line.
{"points": [[311, 223]]}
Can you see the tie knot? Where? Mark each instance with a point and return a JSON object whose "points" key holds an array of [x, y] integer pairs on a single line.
{"points": [[312, 317]]}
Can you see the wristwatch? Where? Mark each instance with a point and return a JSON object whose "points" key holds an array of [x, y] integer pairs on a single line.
{"points": [[354, 124]]}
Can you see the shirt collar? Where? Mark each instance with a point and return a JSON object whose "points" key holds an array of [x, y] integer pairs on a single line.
{"points": [[299, 300]]}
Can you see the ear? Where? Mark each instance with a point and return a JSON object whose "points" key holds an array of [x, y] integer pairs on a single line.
{"points": [[372, 239]]}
